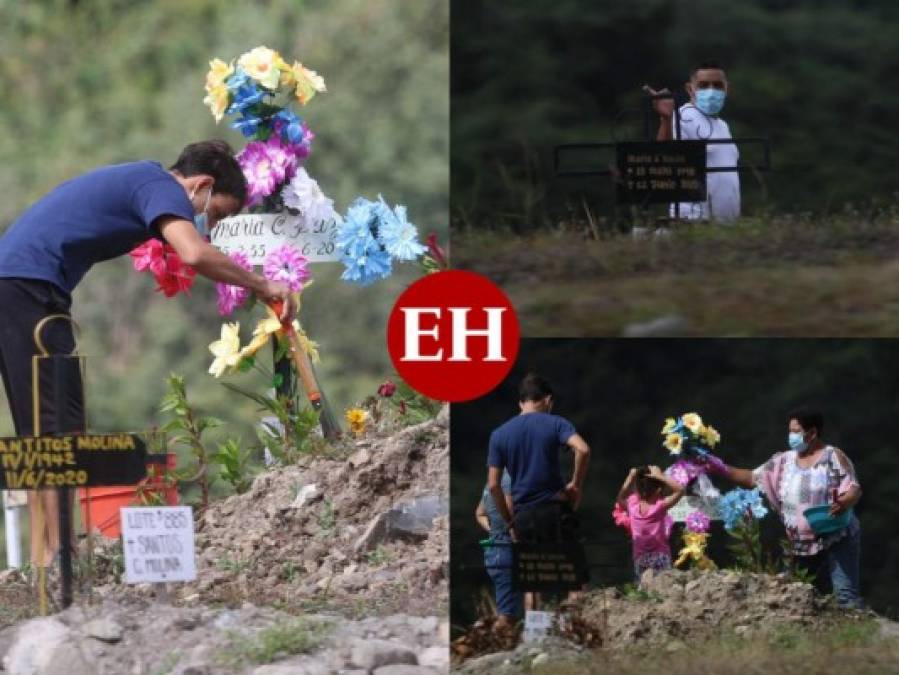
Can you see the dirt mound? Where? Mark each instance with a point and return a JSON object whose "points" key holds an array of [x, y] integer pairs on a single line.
{"points": [[674, 608], [364, 533]]}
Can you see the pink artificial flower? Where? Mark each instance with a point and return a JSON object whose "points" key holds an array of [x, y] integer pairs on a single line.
{"points": [[621, 517], [149, 256], [684, 471], [171, 274], [177, 276], [287, 264], [266, 165], [231, 297], [387, 389], [697, 521]]}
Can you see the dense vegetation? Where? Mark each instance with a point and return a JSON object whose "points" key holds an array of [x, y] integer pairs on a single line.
{"points": [[811, 74]]}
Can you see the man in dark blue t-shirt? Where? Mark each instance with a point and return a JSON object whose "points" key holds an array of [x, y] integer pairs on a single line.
{"points": [[95, 217], [527, 446]]}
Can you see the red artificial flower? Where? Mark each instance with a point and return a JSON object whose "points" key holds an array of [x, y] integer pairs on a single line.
{"points": [[171, 274], [437, 253], [387, 389]]}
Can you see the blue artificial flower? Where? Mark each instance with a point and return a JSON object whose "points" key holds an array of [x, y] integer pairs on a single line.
{"points": [[734, 506], [237, 80], [248, 126], [398, 236], [355, 235], [245, 97], [364, 269], [292, 130]]}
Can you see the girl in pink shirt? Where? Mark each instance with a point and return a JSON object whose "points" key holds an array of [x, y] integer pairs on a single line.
{"points": [[642, 497]]}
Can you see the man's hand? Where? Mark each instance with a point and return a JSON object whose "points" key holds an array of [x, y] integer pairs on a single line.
{"points": [[513, 533], [573, 494], [663, 106], [278, 290]]}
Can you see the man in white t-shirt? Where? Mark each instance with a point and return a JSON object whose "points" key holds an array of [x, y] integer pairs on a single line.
{"points": [[699, 120]]}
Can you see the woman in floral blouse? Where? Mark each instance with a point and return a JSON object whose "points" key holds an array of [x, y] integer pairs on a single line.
{"points": [[813, 473]]}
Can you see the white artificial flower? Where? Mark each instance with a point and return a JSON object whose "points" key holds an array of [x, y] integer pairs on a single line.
{"points": [[303, 194]]}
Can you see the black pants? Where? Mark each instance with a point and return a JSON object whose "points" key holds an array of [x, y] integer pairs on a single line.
{"points": [[23, 303]]}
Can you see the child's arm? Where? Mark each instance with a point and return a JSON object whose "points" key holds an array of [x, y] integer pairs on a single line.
{"points": [[626, 487], [677, 490]]}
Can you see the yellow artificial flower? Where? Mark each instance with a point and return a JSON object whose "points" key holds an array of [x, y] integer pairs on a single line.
{"points": [[694, 549], [288, 79], [356, 418], [226, 349], [218, 99], [308, 82], [308, 346], [711, 436], [693, 422], [674, 442], [670, 423], [219, 71], [261, 334], [260, 63]]}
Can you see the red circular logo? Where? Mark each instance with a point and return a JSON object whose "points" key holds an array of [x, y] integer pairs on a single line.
{"points": [[453, 336]]}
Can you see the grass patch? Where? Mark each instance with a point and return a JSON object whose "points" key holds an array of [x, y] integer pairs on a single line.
{"points": [[850, 646], [743, 279], [291, 637]]}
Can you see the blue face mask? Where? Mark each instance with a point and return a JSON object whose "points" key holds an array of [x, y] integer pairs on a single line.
{"points": [[710, 101], [201, 220], [797, 442]]}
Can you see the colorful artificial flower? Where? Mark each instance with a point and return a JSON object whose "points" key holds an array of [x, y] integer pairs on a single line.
{"points": [[693, 422], [670, 426], [287, 264], [398, 235], [697, 521], [694, 549], [684, 471], [739, 504], [674, 443], [226, 350], [217, 92], [307, 82], [267, 326], [356, 418], [435, 260], [171, 274], [266, 165], [303, 194], [230, 297], [260, 63], [711, 436], [387, 389], [621, 517]]}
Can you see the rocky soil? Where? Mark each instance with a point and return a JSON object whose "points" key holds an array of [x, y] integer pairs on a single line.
{"points": [[674, 609], [351, 550]]}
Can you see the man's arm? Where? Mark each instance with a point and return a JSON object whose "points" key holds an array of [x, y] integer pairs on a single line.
{"points": [[665, 109], [494, 485], [581, 461], [480, 515], [207, 260]]}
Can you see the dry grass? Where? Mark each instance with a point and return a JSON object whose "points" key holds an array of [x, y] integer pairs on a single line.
{"points": [[760, 277], [850, 647]]}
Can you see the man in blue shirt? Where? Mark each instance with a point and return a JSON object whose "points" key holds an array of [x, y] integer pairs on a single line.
{"points": [[527, 446], [95, 217]]}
